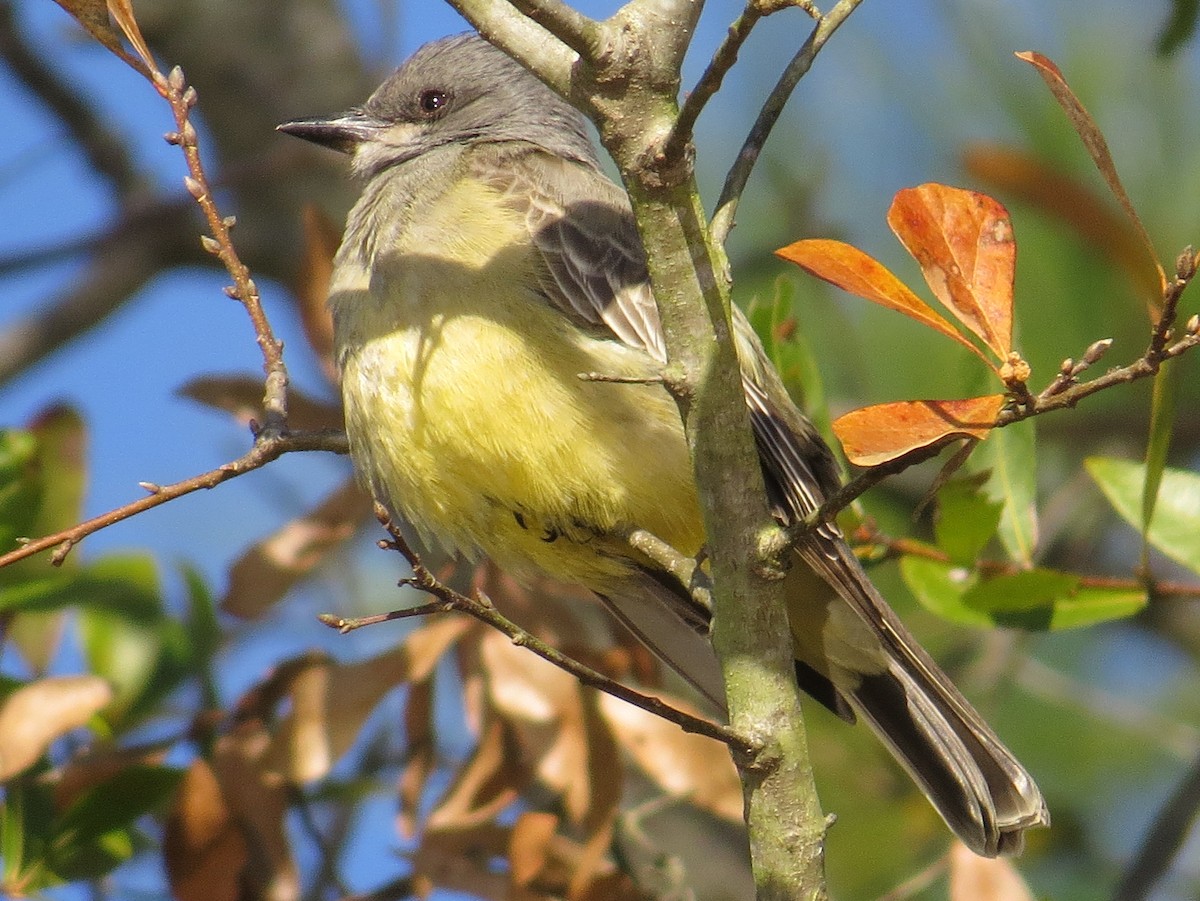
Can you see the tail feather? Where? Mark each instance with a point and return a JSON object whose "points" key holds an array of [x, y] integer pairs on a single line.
{"points": [[980, 789]]}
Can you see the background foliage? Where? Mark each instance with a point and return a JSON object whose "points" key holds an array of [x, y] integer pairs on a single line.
{"points": [[196, 732]]}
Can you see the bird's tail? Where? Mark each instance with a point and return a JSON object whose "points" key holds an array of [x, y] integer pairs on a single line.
{"points": [[980, 789]]}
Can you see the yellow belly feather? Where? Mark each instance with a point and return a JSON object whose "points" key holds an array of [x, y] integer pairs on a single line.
{"points": [[465, 408]]}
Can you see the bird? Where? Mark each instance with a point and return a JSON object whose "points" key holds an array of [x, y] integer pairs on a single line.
{"points": [[488, 264]]}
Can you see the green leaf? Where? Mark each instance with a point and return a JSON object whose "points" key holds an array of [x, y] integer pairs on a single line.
{"points": [[939, 587], [96, 833], [20, 489], [1180, 27], [1030, 589], [120, 583], [1176, 527], [1089, 606], [25, 824], [61, 458], [966, 520], [1034, 600], [1011, 456]]}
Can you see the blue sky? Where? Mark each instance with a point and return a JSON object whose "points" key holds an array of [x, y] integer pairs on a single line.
{"points": [[872, 115]]}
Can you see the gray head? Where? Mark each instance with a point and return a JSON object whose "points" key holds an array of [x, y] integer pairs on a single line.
{"points": [[457, 90]]}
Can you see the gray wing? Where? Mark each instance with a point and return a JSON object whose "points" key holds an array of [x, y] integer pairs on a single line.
{"points": [[593, 268]]}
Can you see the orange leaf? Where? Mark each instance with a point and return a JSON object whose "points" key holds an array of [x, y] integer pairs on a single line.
{"points": [[964, 243], [880, 433], [1097, 148], [1017, 173], [850, 269]]}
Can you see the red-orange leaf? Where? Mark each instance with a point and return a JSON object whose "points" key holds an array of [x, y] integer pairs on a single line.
{"points": [[1097, 148], [850, 269], [964, 243], [880, 433], [1018, 173]]}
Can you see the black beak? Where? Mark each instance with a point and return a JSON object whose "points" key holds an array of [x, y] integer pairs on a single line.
{"points": [[342, 133]]}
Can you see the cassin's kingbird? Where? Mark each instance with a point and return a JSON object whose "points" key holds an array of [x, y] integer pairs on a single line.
{"points": [[488, 264]]}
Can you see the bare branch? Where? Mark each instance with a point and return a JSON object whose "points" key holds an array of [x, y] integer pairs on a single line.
{"points": [[174, 89], [739, 174], [1164, 838], [483, 610], [571, 27], [269, 447], [710, 82], [550, 59]]}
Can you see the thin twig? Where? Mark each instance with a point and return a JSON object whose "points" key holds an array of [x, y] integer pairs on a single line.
{"points": [[1163, 839], [174, 89], [483, 610], [266, 449], [570, 26], [710, 82], [739, 174], [907, 547], [681, 568]]}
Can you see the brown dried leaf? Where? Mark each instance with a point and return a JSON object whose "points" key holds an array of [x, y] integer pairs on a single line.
{"points": [[460, 860], [1097, 147], [419, 756], [882, 432], [964, 243], [122, 13], [544, 707], [257, 799], [848, 268], [529, 846], [36, 714], [241, 396], [330, 702], [93, 16], [975, 878], [311, 287], [203, 849], [486, 784], [682, 764], [266, 572]]}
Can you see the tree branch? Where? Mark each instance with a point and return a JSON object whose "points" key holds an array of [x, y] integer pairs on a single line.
{"points": [[483, 610], [1164, 838], [739, 174], [548, 57], [267, 448]]}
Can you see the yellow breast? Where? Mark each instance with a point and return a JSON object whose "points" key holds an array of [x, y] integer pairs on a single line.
{"points": [[466, 411]]}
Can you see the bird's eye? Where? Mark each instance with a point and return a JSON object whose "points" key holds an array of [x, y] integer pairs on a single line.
{"points": [[432, 100]]}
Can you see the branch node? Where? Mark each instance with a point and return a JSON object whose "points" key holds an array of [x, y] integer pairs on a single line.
{"points": [[194, 187], [1095, 351]]}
